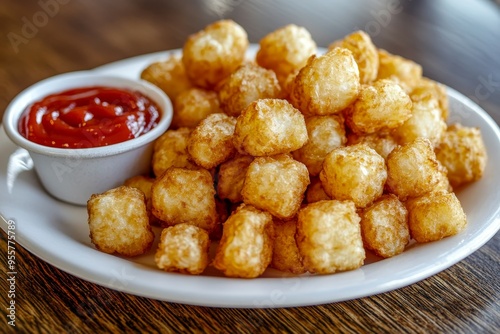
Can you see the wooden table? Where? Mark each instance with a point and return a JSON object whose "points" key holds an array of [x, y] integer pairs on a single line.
{"points": [[457, 43]]}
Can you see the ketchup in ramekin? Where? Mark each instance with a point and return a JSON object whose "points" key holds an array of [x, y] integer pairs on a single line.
{"points": [[89, 117]]}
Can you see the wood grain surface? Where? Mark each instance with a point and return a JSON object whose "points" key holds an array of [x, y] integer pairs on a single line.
{"points": [[457, 43]]}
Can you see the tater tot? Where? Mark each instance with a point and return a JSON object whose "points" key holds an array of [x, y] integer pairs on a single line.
{"points": [[325, 133], [355, 173], [384, 226], [381, 142], [427, 88], [192, 106], [119, 222], [231, 177], [425, 122], [412, 169], [211, 142], [364, 52], [405, 72], [286, 256], [315, 191], [183, 248], [287, 85], [269, 127], [329, 237], [144, 184], [276, 184], [285, 50], [443, 181], [214, 53], [247, 84], [170, 150], [141, 182], [463, 153], [185, 196], [169, 75], [435, 215], [245, 249], [326, 84], [380, 106]]}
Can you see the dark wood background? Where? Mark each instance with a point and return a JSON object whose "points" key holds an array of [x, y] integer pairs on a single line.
{"points": [[456, 42]]}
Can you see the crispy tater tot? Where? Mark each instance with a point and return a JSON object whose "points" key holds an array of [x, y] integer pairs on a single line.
{"points": [[211, 142], [276, 184], [435, 215], [355, 173], [286, 256], [315, 191], [141, 182], [463, 153], [192, 106], [425, 122], [169, 75], [427, 88], [247, 84], [384, 226], [443, 181], [231, 177], [214, 53], [119, 222], [412, 169], [269, 127], [185, 196], [183, 248], [285, 50], [144, 184], [381, 142], [326, 84], [325, 133], [405, 72], [245, 249], [287, 85], [380, 106], [329, 237], [364, 52], [170, 150]]}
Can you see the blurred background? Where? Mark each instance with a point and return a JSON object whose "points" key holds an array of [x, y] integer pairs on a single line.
{"points": [[456, 42]]}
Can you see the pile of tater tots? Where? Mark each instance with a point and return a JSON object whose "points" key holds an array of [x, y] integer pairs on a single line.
{"points": [[291, 160]]}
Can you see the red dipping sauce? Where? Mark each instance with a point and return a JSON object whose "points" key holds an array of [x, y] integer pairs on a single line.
{"points": [[89, 117]]}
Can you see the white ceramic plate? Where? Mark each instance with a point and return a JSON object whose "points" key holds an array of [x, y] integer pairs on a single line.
{"points": [[58, 233]]}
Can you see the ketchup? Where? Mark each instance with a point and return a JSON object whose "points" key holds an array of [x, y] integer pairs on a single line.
{"points": [[89, 117]]}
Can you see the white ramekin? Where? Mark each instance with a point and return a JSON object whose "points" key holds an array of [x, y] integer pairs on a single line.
{"points": [[72, 175]]}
